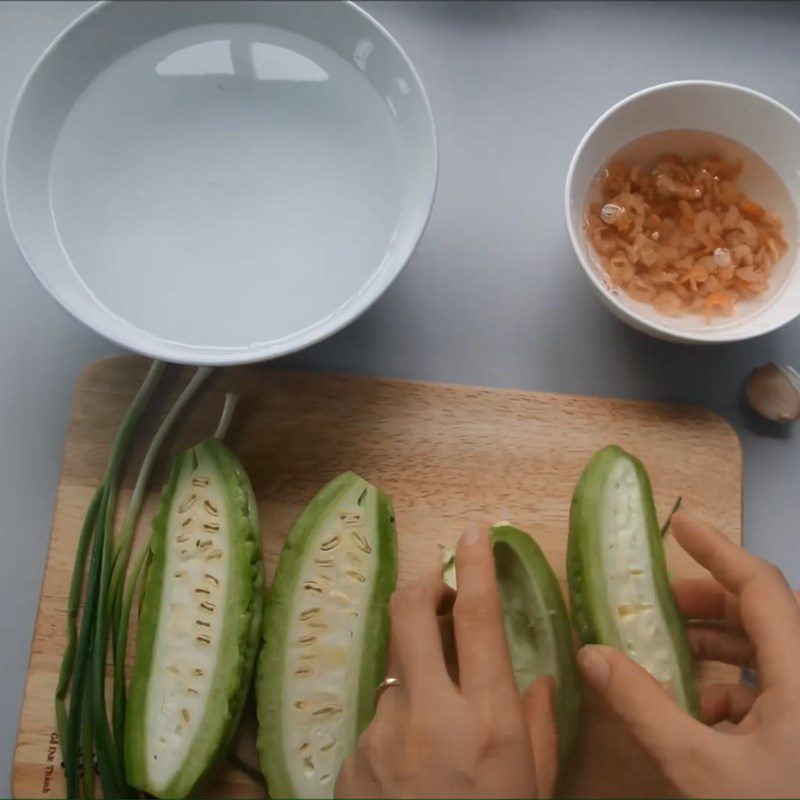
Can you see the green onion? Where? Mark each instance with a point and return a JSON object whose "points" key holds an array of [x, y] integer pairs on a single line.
{"points": [[111, 770], [73, 607], [84, 727], [87, 748], [74, 669]]}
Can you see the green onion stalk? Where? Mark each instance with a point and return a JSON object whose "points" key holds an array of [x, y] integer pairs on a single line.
{"points": [[83, 723]]}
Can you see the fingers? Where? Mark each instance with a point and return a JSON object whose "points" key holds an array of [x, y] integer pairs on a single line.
{"points": [[732, 566], [484, 663], [538, 707], [356, 778], [701, 598], [717, 644], [731, 703], [416, 647], [667, 733], [767, 606]]}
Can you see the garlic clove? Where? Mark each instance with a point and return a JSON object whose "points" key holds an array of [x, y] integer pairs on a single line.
{"points": [[773, 392]]}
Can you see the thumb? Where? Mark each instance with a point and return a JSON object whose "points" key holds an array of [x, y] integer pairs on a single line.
{"points": [[537, 703], [676, 741]]}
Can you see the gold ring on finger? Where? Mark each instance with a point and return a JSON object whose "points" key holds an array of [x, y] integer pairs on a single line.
{"points": [[385, 684]]}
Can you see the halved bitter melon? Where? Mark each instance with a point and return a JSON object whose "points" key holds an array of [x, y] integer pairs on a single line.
{"points": [[537, 625], [199, 626], [619, 588], [325, 636], [535, 621]]}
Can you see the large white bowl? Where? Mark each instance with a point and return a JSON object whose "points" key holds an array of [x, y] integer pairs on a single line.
{"points": [[760, 123], [220, 182]]}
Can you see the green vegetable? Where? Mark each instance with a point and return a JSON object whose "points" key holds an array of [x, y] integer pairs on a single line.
{"points": [[82, 673], [69, 746], [617, 574], [199, 625], [535, 620], [537, 625], [120, 593], [84, 729], [325, 636]]}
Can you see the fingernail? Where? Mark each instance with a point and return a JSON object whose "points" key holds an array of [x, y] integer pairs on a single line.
{"points": [[594, 665], [472, 533]]}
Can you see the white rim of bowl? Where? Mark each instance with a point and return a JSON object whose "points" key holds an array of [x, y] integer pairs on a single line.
{"points": [[631, 316], [166, 351]]}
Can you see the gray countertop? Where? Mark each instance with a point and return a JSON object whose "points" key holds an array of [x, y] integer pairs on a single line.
{"points": [[493, 296]]}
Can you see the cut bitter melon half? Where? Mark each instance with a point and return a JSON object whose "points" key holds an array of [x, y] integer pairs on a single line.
{"points": [[535, 620], [616, 568], [325, 636], [537, 625], [199, 626]]}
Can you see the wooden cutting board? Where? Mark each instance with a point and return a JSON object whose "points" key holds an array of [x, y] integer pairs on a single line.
{"points": [[446, 454]]}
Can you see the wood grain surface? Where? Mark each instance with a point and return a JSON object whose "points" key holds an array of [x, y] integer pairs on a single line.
{"points": [[446, 454]]}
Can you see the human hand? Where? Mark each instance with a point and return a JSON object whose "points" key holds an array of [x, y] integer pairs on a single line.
{"points": [[747, 615], [433, 738]]}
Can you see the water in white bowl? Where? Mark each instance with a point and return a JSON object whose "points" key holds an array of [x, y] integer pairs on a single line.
{"points": [[227, 186]]}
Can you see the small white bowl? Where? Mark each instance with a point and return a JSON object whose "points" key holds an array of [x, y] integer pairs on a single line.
{"points": [[220, 182], [754, 120]]}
